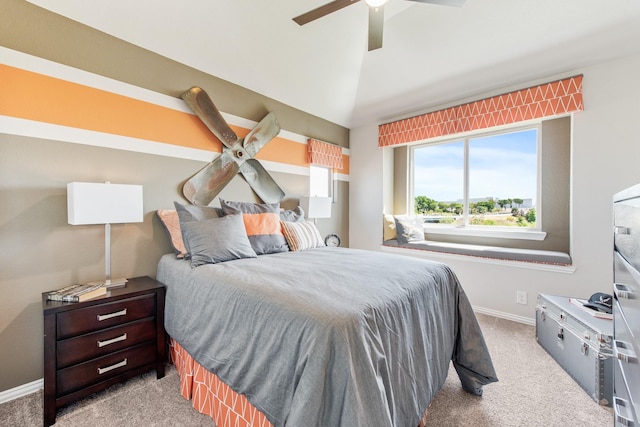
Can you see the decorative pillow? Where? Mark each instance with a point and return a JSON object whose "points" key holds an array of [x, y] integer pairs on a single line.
{"points": [[262, 223], [216, 240], [188, 213], [295, 215], [171, 222], [389, 227], [409, 228], [192, 213], [302, 235]]}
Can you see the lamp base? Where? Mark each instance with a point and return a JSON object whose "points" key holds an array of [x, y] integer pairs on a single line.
{"points": [[110, 283]]}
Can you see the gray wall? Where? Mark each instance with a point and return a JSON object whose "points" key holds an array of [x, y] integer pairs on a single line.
{"points": [[39, 251]]}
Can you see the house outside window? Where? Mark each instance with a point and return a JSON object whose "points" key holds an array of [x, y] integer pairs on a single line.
{"points": [[487, 181]]}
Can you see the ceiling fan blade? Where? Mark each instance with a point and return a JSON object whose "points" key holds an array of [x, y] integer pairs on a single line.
{"points": [[321, 11], [376, 21], [198, 100], [205, 185], [261, 182], [454, 3], [264, 132]]}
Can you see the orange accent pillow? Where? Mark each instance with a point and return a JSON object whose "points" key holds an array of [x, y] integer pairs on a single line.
{"points": [[262, 222], [169, 219]]}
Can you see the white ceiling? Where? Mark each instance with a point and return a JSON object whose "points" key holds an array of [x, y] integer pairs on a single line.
{"points": [[431, 54]]}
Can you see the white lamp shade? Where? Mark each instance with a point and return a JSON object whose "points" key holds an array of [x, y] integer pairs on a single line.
{"points": [[103, 203], [316, 207]]}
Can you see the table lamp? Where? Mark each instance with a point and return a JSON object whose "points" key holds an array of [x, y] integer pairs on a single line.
{"points": [[104, 203]]}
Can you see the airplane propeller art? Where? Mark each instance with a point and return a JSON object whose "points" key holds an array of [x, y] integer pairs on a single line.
{"points": [[237, 155]]}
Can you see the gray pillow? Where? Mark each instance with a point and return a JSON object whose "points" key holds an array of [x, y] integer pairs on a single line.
{"points": [[188, 213], [296, 215], [409, 229], [216, 240], [262, 223]]}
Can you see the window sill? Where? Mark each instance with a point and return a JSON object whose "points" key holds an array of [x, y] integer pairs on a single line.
{"points": [[502, 233], [476, 253]]}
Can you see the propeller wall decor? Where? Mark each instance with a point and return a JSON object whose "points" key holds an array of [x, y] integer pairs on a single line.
{"points": [[237, 155], [376, 15]]}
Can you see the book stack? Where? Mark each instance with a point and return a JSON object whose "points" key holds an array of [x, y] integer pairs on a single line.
{"points": [[77, 293]]}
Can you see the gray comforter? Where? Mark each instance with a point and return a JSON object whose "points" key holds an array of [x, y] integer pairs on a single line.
{"points": [[328, 336]]}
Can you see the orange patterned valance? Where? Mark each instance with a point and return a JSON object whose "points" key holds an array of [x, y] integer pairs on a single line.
{"points": [[324, 154], [546, 100]]}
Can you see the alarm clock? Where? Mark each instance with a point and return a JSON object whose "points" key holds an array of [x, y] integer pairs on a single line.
{"points": [[332, 240]]}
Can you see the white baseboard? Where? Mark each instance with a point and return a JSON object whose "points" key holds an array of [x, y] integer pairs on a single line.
{"points": [[503, 315], [21, 390]]}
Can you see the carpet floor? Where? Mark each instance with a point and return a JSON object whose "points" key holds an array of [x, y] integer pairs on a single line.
{"points": [[533, 391]]}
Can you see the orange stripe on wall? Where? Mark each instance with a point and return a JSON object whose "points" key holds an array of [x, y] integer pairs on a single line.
{"points": [[292, 153], [38, 97], [284, 151], [33, 96]]}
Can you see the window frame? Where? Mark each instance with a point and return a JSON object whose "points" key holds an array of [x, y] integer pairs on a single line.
{"points": [[329, 182], [532, 233]]}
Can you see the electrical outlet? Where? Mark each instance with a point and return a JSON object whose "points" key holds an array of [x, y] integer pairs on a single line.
{"points": [[521, 297]]}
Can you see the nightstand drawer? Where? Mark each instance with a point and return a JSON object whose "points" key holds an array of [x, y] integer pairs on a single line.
{"points": [[83, 320], [93, 371], [89, 346]]}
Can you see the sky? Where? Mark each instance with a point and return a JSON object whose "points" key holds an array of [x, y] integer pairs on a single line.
{"points": [[501, 166]]}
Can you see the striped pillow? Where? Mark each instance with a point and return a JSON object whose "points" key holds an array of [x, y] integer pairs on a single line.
{"points": [[262, 222], [301, 235]]}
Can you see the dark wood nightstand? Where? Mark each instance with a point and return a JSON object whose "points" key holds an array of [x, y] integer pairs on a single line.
{"points": [[91, 345]]}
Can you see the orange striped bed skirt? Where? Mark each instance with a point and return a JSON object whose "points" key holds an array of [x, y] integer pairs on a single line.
{"points": [[212, 397]]}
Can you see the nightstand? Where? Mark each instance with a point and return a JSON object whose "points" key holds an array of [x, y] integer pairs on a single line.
{"points": [[91, 345]]}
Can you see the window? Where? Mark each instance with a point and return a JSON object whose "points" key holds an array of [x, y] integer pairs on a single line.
{"points": [[485, 181], [320, 181]]}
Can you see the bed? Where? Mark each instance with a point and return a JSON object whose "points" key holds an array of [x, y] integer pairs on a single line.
{"points": [[325, 336]]}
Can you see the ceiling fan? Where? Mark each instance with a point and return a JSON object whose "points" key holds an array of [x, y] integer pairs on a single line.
{"points": [[376, 15]]}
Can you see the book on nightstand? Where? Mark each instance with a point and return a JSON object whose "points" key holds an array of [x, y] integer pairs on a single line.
{"points": [[77, 293]]}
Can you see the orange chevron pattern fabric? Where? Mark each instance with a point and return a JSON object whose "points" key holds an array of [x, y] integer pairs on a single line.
{"points": [[324, 154], [212, 397], [546, 100]]}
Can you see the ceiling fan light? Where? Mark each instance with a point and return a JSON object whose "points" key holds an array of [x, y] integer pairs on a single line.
{"points": [[375, 3]]}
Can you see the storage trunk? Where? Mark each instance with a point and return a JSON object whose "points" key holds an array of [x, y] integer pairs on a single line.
{"points": [[579, 342]]}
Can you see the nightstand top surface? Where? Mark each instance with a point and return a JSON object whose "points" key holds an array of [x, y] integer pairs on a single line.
{"points": [[134, 287]]}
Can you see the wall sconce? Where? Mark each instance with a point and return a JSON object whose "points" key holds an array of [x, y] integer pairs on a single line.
{"points": [[316, 207], [104, 203]]}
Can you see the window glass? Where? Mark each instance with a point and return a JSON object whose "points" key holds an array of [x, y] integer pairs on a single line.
{"points": [[503, 179], [487, 180], [320, 181], [439, 182]]}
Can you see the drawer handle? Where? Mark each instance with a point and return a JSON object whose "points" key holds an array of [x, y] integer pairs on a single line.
{"points": [[625, 352], [122, 337], [102, 317], [112, 367], [618, 404], [623, 291], [618, 229]]}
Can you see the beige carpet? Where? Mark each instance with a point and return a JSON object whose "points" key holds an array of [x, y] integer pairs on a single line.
{"points": [[533, 391]]}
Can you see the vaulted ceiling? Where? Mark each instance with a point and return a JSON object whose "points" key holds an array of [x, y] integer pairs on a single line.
{"points": [[431, 54]]}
